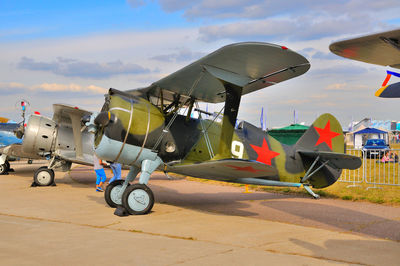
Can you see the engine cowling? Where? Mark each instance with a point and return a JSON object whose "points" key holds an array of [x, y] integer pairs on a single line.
{"points": [[40, 135]]}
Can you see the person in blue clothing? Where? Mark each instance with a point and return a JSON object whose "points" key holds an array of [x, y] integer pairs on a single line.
{"points": [[116, 168], [100, 174]]}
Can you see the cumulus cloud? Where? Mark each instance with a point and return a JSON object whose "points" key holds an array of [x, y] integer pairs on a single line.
{"points": [[284, 20], [69, 87], [14, 87], [182, 55], [75, 68]]}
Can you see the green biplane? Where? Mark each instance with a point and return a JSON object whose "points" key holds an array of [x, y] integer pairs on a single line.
{"points": [[144, 129]]}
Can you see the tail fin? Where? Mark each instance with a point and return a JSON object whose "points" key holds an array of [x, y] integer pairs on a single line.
{"points": [[320, 146], [325, 134]]}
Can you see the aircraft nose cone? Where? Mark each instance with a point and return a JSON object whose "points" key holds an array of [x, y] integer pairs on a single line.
{"points": [[104, 118]]}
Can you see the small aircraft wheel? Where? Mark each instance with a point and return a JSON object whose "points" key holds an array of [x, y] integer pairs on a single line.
{"points": [[29, 161], [7, 165], [138, 199], [112, 192], [3, 169], [44, 176]]}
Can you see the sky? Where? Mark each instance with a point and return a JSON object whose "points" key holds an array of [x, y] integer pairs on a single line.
{"points": [[72, 51]]}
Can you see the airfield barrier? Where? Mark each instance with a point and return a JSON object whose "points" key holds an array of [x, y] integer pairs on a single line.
{"points": [[373, 171]]}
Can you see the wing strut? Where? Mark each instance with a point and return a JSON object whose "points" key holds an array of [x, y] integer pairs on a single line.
{"points": [[232, 102], [166, 129], [205, 132]]}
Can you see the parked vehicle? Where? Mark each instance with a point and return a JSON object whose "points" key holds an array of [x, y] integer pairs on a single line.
{"points": [[375, 148]]}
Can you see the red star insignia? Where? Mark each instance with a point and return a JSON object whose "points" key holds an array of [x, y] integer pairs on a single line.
{"points": [[265, 155], [245, 168], [326, 135]]}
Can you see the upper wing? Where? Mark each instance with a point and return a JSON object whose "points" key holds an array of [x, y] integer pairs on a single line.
{"points": [[249, 65], [62, 113], [381, 48], [227, 169], [71, 117]]}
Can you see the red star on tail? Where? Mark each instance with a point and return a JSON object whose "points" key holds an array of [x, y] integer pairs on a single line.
{"points": [[326, 135], [265, 155]]}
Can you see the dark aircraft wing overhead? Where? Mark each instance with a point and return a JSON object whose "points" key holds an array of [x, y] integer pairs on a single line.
{"points": [[227, 169], [250, 65], [380, 49]]}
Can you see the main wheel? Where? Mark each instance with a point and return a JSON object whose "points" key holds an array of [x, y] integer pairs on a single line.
{"points": [[44, 176], [3, 169], [138, 199], [112, 192]]}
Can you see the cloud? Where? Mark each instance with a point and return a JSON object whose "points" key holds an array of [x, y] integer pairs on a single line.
{"points": [[75, 68], [256, 9], [306, 27], [337, 87], [14, 87], [345, 87], [344, 71], [135, 3], [54, 87], [325, 56], [182, 55]]}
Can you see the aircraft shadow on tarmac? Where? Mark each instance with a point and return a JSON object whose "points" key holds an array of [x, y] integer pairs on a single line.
{"points": [[202, 197], [380, 253], [313, 214]]}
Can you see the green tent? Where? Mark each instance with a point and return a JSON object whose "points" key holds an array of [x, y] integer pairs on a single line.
{"points": [[288, 135]]}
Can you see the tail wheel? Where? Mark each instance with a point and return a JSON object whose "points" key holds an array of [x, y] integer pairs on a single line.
{"points": [[44, 176], [112, 192], [138, 199]]}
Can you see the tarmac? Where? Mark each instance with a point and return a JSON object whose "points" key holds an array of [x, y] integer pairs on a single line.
{"points": [[192, 223]]}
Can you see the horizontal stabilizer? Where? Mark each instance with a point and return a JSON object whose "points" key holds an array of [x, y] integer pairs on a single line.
{"points": [[391, 91], [336, 160], [226, 169]]}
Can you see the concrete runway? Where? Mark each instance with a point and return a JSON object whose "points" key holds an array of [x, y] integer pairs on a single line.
{"points": [[192, 223]]}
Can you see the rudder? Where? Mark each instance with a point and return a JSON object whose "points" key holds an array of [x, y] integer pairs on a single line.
{"points": [[324, 135]]}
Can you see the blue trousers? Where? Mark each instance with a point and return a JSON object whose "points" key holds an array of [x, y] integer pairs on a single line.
{"points": [[116, 168], [100, 176]]}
